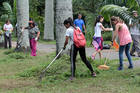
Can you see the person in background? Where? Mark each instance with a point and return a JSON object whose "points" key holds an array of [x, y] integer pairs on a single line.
{"points": [[80, 23], [125, 40], [73, 53], [33, 36], [8, 28], [97, 38], [135, 33]]}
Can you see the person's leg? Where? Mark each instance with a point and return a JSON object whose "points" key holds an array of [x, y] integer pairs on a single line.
{"points": [[31, 46], [100, 54], [95, 53], [34, 47], [10, 41], [121, 49], [5, 41], [30, 40], [73, 54], [127, 48], [84, 59], [137, 44], [133, 46]]}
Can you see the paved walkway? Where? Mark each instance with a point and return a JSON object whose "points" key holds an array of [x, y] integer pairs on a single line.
{"points": [[112, 53]]}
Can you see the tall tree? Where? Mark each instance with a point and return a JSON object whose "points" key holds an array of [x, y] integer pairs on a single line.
{"points": [[22, 21], [63, 11], [49, 20]]}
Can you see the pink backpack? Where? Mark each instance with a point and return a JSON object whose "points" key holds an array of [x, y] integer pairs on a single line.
{"points": [[79, 38]]}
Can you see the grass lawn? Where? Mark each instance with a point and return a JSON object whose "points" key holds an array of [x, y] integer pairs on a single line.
{"points": [[19, 74]]}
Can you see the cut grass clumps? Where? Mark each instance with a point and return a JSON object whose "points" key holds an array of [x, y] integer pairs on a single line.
{"points": [[60, 66], [10, 51], [60, 69], [16, 55]]}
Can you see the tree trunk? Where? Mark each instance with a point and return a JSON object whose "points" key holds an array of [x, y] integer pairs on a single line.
{"points": [[63, 11], [22, 21], [49, 20]]}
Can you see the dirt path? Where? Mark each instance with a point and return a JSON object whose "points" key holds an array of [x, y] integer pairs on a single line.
{"points": [[48, 48]]}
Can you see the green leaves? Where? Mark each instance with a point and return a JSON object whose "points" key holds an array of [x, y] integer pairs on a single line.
{"points": [[7, 13], [115, 10], [7, 8]]}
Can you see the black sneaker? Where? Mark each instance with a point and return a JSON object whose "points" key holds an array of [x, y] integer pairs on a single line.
{"points": [[132, 54], [130, 67], [120, 68], [71, 78], [93, 74]]}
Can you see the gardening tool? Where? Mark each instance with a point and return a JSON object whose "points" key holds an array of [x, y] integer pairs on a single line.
{"points": [[43, 72], [116, 45], [105, 67]]}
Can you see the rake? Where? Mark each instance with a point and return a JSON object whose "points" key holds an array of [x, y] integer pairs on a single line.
{"points": [[104, 66], [44, 71]]}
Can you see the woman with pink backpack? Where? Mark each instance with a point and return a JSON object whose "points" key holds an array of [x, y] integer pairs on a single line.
{"points": [[74, 49]]}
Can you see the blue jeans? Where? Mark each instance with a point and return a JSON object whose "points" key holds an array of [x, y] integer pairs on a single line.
{"points": [[127, 53]]}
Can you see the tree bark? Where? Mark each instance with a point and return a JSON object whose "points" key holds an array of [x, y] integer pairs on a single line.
{"points": [[22, 21], [63, 11], [49, 20]]}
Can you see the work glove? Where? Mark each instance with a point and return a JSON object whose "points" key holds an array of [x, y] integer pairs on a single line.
{"points": [[36, 39], [64, 48], [111, 29]]}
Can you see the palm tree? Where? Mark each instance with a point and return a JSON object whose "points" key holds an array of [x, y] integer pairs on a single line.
{"points": [[131, 4], [49, 20], [22, 21], [7, 13], [63, 11], [115, 10]]}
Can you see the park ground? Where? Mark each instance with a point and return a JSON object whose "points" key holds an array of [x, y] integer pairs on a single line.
{"points": [[19, 73]]}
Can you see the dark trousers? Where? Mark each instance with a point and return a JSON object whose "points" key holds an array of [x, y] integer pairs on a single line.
{"points": [[73, 54], [136, 44], [7, 39]]}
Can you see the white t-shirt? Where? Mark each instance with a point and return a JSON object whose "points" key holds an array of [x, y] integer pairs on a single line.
{"points": [[134, 30], [69, 33], [8, 27], [98, 30]]}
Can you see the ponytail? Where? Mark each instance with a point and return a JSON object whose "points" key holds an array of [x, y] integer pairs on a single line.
{"points": [[70, 21], [98, 19]]}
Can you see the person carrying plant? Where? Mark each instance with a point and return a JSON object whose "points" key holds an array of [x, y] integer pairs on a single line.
{"points": [[97, 38], [122, 31], [8, 28], [74, 49]]}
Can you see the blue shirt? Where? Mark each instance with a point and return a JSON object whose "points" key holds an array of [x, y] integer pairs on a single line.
{"points": [[79, 23]]}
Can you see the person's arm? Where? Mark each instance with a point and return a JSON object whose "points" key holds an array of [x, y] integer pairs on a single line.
{"points": [[23, 28], [38, 33], [66, 42], [84, 28], [130, 23], [74, 23], [4, 28], [106, 29], [116, 32], [11, 28]]}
